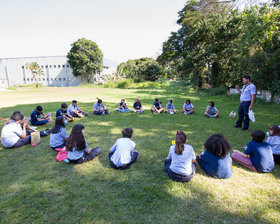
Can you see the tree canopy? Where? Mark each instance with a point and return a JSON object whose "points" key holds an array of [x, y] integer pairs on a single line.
{"points": [[143, 68], [218, 45], [85, 59]]}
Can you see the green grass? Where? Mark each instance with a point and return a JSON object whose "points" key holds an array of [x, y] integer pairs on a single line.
{"points": [[35, 188]]}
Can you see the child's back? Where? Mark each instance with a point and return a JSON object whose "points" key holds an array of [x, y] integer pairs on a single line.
{"points": [[122, 151]]}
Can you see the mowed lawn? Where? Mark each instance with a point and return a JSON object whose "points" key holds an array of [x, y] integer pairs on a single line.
{"points": [[35, 188]]}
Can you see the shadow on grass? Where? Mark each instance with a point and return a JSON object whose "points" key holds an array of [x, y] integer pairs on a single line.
{"points": [[36, 188]]}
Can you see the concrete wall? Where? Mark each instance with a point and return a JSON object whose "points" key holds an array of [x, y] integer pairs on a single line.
{"points": [[262, 94], [56, 69]]}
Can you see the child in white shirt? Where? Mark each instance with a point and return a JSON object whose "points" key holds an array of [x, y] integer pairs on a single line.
{"points": [[122, 154]]}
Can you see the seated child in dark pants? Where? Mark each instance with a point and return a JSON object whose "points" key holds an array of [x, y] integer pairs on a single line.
{"points": [[122, 153], [59, 134], [36, 118], [62, 111], [14, 133], [77, 148], [99, 108], [180, 162], [215, 160], [75, 111]]}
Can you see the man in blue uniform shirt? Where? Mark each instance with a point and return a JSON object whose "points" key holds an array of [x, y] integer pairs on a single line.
{"points": [[247, 98]]}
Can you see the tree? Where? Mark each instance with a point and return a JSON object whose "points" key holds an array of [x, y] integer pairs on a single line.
{"points": [[36, 71], [85, 59], [141, 69]]}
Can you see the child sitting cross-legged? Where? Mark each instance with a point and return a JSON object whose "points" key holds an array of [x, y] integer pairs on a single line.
{"points": [[99, 108], [215, 160], [77, 147], [170, 108], [75, 111], [122, 153], [14, 133], [188, 107], [123, 108], [36, 119], [62, 111], [59, 134], [180, 162], [137, 107], [157, 107], [211, 110], [258, 154]]}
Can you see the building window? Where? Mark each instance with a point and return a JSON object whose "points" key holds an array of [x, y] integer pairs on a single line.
{"points": [[23, 79], [22, 66], [27, 79], [58, 66], [54, 66], [55, 79], [47, 79], [44, 79], [50, 66], [51, 79], [64, 79], [67, 66], [42, 66], [32, 79], [59, 79], [46, 66], [63, 66]]}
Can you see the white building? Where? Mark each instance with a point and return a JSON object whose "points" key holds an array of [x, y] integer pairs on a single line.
{"points": [[57, 71]]}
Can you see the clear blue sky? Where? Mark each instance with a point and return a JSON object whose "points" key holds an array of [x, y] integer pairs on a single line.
{"points": [[123, 29]]}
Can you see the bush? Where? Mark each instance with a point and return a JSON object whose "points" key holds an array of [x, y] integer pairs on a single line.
{"points": [[215, 91]]}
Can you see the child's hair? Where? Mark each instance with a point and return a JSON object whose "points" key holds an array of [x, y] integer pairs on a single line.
{"points": [[63, 105], [246, 77], [258, 135], [74, 101], [188, 101], [156, 99], [218, 145], [211, 103], [138, 101], [99, 101], [170, 101], [122, 99], [275, 129], [59, 122], [127, 132], [76, 138], [181, 139], [39, 108], [17, 116]]}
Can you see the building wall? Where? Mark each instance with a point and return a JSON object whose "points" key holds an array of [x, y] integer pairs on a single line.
{"points": [[57, 72]]}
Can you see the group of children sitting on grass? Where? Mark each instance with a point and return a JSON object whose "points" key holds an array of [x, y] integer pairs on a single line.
{"points": [[180, 164]]}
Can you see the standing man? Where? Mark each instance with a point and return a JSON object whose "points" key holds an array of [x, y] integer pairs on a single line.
{"points": [[247, 98]]}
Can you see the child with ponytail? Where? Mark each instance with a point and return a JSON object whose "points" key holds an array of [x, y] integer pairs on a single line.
{"points": [[180, 162]]}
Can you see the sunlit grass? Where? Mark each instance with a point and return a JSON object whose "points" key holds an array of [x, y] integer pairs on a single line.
{"points": [[35, 188]]}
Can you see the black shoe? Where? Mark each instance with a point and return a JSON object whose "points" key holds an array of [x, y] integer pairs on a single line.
{"points": [[47, 132], [244, 129], [236, 126]]}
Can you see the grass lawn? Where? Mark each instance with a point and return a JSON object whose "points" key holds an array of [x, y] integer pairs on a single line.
{"points": [[35, 188]]}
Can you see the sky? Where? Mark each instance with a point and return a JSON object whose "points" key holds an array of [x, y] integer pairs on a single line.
{"points": [[123, 29]]}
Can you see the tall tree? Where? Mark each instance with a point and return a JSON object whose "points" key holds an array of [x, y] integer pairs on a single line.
{"points": [[85, 59]]}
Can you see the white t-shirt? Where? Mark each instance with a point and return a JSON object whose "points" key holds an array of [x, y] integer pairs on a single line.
{"points": [[181, 164], [122, 151], [10, 134]]}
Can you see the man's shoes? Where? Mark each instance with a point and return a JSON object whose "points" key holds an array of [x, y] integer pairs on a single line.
{"points": [[236, 126]]}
